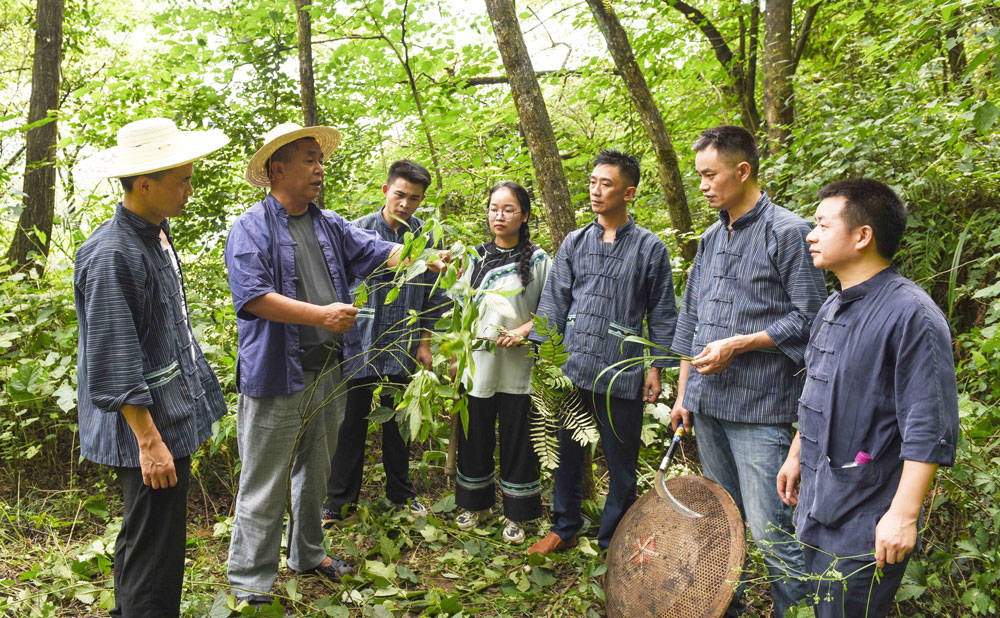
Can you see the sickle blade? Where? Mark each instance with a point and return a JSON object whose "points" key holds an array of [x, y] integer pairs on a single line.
{"points": [[661, 488]]}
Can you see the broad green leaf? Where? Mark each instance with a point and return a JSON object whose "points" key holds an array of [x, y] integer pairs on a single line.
{"points": [[986, 115]]}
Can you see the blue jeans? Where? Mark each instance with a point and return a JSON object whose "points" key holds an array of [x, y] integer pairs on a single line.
{"points": [[745, 458], [620, 444]]}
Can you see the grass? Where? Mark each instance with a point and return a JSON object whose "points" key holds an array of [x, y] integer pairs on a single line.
{"points": [[56, 548]]}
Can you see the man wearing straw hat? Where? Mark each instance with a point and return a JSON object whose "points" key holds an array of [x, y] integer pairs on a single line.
{"points": [[146, 396], [289, 266]]}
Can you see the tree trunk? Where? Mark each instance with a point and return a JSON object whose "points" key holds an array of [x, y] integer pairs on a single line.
{"points": [[652, 122], [534, 116], [34, 226], [955, 48], [537, 129], [779, 109], [307, 85]]}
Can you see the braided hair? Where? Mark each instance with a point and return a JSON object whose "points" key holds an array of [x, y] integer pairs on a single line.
{"points": [[524, 248]]}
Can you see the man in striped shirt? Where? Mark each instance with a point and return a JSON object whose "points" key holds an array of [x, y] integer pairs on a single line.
{"points": [[147, 397], [751, 297], [606, 279]]}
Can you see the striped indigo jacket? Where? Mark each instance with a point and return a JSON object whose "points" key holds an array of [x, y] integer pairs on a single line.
{"points": [[135, 345], [759, 278], [598, 294]]}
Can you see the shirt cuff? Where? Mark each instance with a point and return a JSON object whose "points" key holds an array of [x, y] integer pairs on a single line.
{"points": [[136, 396], [941, 452], [785, 337]]}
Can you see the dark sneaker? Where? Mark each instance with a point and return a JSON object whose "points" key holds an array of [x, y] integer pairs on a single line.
{"points": [[255, 600], [332, 518], [333, 571]]}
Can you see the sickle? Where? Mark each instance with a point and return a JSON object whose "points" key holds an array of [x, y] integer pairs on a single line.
{"points": [[660, 482]]}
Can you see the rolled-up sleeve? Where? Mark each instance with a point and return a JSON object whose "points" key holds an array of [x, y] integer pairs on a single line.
{"points": [[661, 306], [926, 391], [805, 287], [249, 268], [363, 250], [687, 319], [114, 298], [558, 291]]}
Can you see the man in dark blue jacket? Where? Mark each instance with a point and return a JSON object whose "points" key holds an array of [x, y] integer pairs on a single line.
{"points": [[879, 410], [388, 350]]}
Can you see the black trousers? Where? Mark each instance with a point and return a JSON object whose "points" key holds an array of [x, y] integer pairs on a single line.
{"points": [[519, 475], [149, 551], [347, 466], [620, 441], [860, 594]]}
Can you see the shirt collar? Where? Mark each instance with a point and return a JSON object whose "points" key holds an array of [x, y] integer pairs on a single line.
{"points": [[624, 228], [279, 208], [763, 203], [407, 225], [862, 289], [144, 228]]}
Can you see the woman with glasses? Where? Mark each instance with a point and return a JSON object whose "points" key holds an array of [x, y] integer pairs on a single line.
{"points": [[508, 274]]}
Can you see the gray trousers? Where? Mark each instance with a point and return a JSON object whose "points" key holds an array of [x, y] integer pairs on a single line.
{"points": [[266, 429]]}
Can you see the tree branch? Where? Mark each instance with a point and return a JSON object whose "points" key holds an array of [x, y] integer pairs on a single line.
{"points": [[715, 38], [489, 80], [800, 42]]}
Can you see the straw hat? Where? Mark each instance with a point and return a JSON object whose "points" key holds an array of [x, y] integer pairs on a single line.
{"points": [[328, 138], [152, 145]]}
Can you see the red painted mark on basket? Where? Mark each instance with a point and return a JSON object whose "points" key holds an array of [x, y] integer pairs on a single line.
{"points": [[645, 551]]}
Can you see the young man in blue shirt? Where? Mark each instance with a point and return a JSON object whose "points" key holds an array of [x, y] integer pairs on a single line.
{"points": [[879, 410], [387, 351], [606, 279]]}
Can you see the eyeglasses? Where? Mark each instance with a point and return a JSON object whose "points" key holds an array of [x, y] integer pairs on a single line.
{"points": [[508, 213]]}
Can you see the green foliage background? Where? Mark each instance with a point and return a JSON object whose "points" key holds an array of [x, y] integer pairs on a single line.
{"points": [[875, 96]]}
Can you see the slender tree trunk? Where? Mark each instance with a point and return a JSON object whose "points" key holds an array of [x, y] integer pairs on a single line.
{"points": [[748, 100], [537, 130], [779, 109], [34, 226], [307, 85], [955, 48], [534, 116], [652, 121]]}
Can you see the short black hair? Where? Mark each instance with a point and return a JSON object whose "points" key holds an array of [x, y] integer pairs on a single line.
{"points": [[409, 170], [627, 165], [872, 203], [129, 181], [733, 142]]}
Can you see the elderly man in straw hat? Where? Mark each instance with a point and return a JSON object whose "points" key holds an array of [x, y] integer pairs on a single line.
{"points": [[147, 397], [289, 266]]}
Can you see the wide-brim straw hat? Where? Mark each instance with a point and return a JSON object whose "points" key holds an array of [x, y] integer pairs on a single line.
{"points": [[286, 133], [152, 145]]}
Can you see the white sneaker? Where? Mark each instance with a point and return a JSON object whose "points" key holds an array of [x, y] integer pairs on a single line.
{"points": [[467, 520], [417, 508], [513, 533]]}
